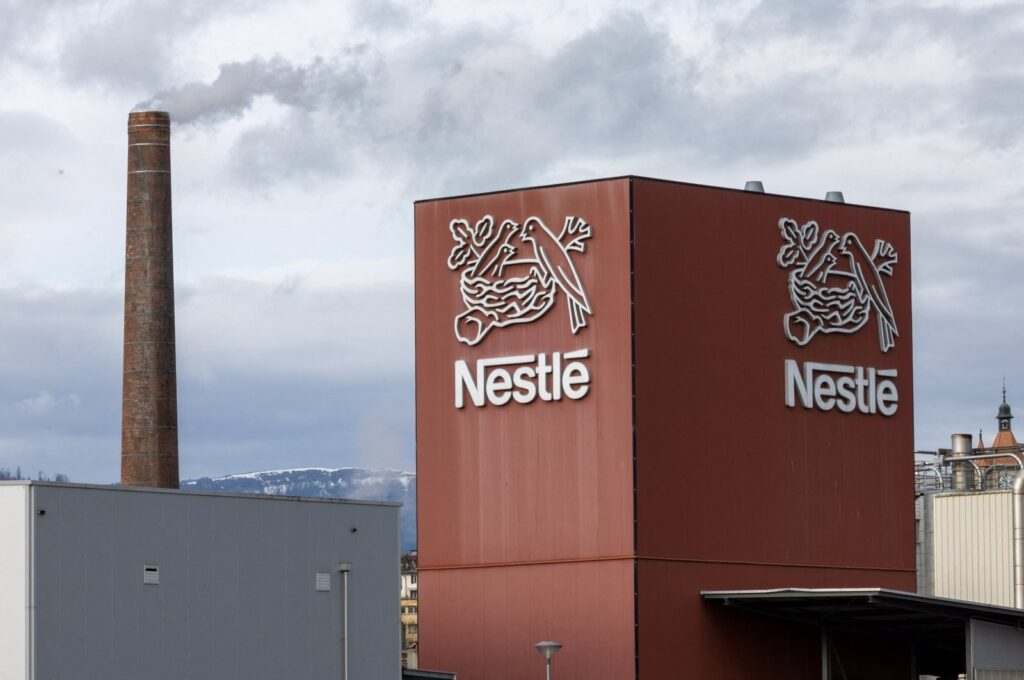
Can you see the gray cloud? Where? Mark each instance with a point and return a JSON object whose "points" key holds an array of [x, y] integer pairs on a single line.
{"points": [[267, 373], [386, 15], [60, 358], [132, 44], [31, 132], [291, 149], [908, 104]]}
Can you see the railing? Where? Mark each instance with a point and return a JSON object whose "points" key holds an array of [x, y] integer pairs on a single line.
{"points": [[938, 474]]}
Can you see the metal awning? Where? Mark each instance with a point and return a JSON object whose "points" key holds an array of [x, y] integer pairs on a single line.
{"points": [[935, 626]]}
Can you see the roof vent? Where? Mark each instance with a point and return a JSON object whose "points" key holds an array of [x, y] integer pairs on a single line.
{"points": [[754, 185], [835, 197]]}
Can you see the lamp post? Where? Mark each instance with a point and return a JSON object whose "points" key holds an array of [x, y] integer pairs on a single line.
{"points": [[548, 649]]}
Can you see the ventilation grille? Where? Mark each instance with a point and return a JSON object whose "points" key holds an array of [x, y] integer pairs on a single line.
{"points": [[150, 575], [323, 582]]}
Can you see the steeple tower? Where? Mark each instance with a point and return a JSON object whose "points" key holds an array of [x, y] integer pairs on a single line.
{"points": [[1004, 435]]}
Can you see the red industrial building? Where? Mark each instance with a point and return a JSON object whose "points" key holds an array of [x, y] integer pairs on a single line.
{"points": [[632, 391]]}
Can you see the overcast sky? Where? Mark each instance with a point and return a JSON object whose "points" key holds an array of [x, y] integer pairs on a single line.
{"points": [[305, 129]]}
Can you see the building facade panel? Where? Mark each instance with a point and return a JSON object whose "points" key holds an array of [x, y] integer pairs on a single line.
{"points": [[972, 546], [678, 630], [766, 482], [483, 622], [523, 481]]}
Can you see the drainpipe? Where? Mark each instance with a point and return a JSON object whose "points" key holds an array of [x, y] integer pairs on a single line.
{"points": [[344, 568], [1018, 540]]}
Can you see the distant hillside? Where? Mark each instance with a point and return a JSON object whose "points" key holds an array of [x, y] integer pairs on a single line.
{"points": [[354, 483]]}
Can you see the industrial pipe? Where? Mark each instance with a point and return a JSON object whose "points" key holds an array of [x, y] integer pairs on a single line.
{"points": [[344, 568], [930, 467], [962, 444], [1018, 540], [988, 456]]}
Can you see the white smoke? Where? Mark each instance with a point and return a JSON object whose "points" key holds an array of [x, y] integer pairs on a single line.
{"points": [[339, 82]]}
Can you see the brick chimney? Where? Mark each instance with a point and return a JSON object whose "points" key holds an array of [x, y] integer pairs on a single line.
{"points": [[149, 408]]}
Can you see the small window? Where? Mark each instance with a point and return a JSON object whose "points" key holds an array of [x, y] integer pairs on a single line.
{"points": [[413, 594], [413, 577]]}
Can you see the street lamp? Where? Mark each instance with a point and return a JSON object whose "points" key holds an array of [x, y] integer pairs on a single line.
{"points": [[548, 649]]}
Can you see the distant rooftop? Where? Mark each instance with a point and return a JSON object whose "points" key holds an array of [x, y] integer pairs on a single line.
{"points": [[190, 492]]}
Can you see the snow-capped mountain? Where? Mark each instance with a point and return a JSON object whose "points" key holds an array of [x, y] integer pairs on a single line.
{"points": [[354, 483]]}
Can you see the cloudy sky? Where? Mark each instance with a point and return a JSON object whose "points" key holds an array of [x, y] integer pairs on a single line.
{"points": [[306, 128]]}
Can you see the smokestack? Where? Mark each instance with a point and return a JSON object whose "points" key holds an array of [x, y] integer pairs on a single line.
{"points": [[149, 408]]}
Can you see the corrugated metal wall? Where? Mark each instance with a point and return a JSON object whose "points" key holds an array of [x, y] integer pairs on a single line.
{"points": [[973, 547], [237, 595], [998, 675]]}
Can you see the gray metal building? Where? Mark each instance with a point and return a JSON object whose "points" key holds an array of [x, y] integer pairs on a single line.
{"points": [[103, 582]]}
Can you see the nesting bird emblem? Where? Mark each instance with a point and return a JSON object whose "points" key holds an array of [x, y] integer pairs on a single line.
{"points": [[835, 283], [510, 273]]}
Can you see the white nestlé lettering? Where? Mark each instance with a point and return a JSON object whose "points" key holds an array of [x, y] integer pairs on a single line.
{"points": [[522, 378], [847, 388]]}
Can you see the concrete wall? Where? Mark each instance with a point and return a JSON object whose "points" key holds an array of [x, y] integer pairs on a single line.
{"points": [[236, 597], [13, 582], [972, 553]]}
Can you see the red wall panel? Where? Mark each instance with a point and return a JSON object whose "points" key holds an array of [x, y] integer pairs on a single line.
{"points": [[531, 503], [540, 481], [483, 623], [726, 471], [682, 635]]}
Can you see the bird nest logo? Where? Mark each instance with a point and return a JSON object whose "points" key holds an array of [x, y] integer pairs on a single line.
{"points": [[835, 283], [511, 273]]}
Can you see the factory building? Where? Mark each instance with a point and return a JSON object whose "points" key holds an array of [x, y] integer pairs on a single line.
{"points": [[114, 583], [576, 344], [970, 511]]}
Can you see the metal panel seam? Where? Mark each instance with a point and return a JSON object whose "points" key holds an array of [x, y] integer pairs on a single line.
{"points": [[632, 344], [528, 563], [795, 565], [30, 518]]}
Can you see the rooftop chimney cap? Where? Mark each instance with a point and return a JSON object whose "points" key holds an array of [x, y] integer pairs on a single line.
{"points": [[149, 117], [835, 197], [754, 185], [962, 444]]}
